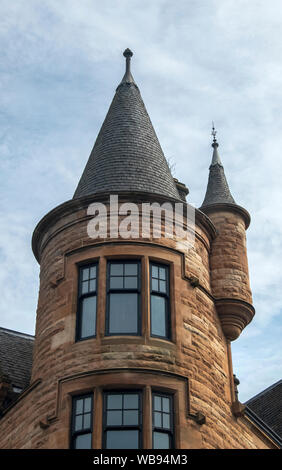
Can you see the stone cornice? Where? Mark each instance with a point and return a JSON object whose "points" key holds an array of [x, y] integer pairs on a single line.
{"points": [[73, 205], [228, 207]]}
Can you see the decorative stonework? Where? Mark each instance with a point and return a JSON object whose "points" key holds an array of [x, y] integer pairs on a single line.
{"points": [[234, 316]]}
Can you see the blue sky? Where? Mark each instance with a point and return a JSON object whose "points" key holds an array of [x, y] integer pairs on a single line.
{"points": [[194, 62]]}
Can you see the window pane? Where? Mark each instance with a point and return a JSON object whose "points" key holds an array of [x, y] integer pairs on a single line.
{"points": [[83, 441], [87, 405], [87, 421], [116, 269], [84, 287], [114, 418], [130, 269], [130, 417], [157, 419], [85, 274], [166, 405], [155, 284], [160, 440], [79, 406], [122, 439], [93, 272], [158, 316], [157, 403], [88, 317], [155, 271], [116, 283], [162, 273], [131, 401], [92, 285], [163, 286], [166, 421], [123, 313], [114, 402], [130, 283], [78, 423]]}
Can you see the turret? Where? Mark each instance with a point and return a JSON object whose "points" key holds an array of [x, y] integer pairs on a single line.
{"points": [[228, 259], [133, 332]]}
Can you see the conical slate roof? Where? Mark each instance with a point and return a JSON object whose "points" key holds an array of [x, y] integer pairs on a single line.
{"points": [[217, 190], [127, 156]]}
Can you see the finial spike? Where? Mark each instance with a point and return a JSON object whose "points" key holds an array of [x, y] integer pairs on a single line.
{"points": [[128, 53], [213, 133], [215, 157], [127, 79]]}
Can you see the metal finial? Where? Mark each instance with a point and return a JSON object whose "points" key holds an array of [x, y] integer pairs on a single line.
{"points": [[127, 76], [128, 53], [213, 133]]}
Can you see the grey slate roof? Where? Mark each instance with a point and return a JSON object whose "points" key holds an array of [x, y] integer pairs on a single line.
{"points": [[217, 190], [127, 156], [16, 357], [267, 405]]}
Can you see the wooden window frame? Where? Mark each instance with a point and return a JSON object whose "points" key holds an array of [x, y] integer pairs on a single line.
{"points": [[166, 296], [81, 296], [106, 427], [170, 430], [89, 430], [124, 291]]}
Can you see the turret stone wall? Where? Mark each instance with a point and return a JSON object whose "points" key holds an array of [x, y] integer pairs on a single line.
{"points": [[194, 365]]}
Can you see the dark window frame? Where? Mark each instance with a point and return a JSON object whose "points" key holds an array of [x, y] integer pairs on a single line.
{"points": [[73, 433], [170, 431], [107, 427], [124, 291], [166, 296], [81, 296]]}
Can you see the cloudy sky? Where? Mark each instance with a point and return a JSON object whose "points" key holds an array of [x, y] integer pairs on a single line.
{"points": [[194, 61]]}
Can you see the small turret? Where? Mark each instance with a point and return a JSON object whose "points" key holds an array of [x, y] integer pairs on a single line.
{"points": [[228, 261]]}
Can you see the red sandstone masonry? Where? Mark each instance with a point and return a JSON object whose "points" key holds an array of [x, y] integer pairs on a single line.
{"points": [[228, 260], [198, 351]]}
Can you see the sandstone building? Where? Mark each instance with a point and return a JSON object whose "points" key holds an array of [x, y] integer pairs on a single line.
{"points": [[132, 343]]}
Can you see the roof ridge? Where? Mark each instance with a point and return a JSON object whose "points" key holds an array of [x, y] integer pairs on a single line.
{"points": [[17, 333]]}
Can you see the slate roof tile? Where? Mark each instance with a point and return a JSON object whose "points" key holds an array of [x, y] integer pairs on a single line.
{"points": [[16, 357], [127, 155], [217, 190], [267, 405]]}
